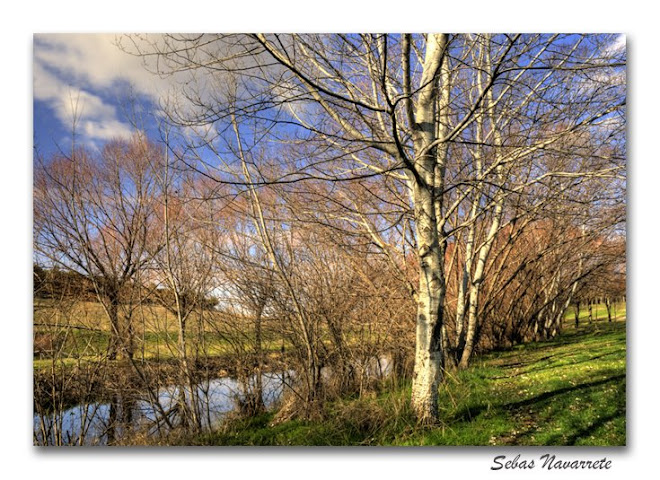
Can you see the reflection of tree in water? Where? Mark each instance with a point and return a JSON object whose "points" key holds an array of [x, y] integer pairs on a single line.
{"points": [[129, 415]]}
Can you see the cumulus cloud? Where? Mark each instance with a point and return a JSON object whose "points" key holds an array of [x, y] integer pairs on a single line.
{"points": [[88, 76], [82, 76], [617, 46]]}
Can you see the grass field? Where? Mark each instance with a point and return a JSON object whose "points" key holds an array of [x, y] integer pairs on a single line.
{"points": [[568, 391], [83, 333], [599, 312]]}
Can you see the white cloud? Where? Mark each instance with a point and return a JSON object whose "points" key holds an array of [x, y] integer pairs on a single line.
{"points": [[91, 71], [93, 59], [617, 46], [620, 42], [82, 75], [105, 130]]}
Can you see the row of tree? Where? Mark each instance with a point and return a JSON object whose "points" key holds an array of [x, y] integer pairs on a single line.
{"points": [[424, 196]]}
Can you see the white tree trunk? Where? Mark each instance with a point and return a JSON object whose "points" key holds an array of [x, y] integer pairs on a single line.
{"points": [[426, 185], [428, 354]]}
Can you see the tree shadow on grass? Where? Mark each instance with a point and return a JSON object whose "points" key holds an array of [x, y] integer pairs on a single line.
{"points": [[525, 364], [550, 367], [467, 414], [558, 342], [586, 432]]}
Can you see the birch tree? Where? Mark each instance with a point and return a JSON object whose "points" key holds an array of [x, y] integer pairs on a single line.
{"points": [[340, 108]]}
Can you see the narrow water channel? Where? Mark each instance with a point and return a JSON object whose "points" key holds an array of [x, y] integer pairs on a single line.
{"points": [[103, 423]]}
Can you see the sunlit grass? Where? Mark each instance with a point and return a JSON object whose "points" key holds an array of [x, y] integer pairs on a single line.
{"points": [[569, 391], [599, 312], [82, 332]]}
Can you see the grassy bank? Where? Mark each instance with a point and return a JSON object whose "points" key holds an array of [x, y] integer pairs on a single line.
{"points": [[82, 333], [569, 391]]}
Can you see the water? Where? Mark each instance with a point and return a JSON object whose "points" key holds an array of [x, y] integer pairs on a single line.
{"points": [[100, 423]]}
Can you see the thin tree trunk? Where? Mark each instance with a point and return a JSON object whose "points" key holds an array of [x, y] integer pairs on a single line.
{"points": [[312, 366], [608, 305], [461, 299], [484, 250], [116, 348], [258, 392], [478, 279], [113, 344], [189, 406]]}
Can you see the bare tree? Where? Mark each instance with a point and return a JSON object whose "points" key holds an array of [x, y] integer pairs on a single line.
{"points": [[431, 108], [92, 215]]}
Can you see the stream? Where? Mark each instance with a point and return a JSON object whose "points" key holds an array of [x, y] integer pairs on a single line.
{"points": [[101, 423]]}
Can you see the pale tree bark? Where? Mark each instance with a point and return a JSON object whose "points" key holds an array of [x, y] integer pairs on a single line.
{"points": [[391, 95], [475, 286], [486, 246], [312, 368], [462, 300], [428, 374]]}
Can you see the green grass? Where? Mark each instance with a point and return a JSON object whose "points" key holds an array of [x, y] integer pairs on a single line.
{"points": [[82, 333], [599, 312], [569, 391]]}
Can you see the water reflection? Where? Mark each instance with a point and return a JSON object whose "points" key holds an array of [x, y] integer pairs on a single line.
{"points": [[105, 423]]}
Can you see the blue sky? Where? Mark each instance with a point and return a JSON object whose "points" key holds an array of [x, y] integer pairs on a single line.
{"points": [[88, 77], [564, 15]]}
